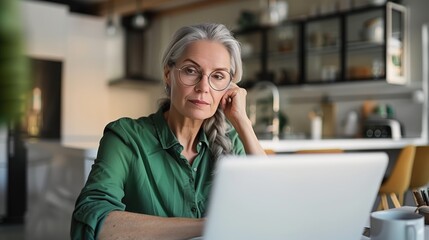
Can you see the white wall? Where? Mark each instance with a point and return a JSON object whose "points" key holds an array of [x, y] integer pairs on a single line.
{"points": [[45, 29], [90, 60], [134, 101], [417, 15], [85, 109], [79, 41]]}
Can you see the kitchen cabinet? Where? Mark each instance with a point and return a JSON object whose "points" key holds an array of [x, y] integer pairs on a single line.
{"points": [[322, 49], [375, 44], [271, 54], [283, 54], [362, 44]]}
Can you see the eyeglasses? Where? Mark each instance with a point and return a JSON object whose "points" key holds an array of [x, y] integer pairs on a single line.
{"points": [[190, 75]]}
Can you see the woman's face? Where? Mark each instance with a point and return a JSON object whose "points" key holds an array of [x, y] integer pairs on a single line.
{"points": [[200, 101]]}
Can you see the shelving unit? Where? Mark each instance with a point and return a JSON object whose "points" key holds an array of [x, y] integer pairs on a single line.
{"points": [[364, 44]]}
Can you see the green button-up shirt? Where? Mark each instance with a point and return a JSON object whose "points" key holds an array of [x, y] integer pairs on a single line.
{"points": [[140, 168]]}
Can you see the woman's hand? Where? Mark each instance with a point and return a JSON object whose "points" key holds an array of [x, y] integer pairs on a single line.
{"points": [[233, 104]]}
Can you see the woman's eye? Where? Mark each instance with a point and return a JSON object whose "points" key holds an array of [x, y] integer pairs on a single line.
{"points": [[191, 71], [218, 76]]}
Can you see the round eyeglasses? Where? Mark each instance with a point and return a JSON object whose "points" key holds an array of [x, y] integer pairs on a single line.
{"points": [[190, 75]]}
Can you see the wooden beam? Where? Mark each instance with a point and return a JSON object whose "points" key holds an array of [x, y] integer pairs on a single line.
{"points": [[193, 6], [159, 7], [125, 7]]}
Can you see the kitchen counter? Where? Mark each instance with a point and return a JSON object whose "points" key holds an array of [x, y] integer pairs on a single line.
{"points": [[291, 145], [345, 144]]}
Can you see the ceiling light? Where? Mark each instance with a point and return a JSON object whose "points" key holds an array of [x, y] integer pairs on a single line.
{"points": [[111, 27], [139, 21]]}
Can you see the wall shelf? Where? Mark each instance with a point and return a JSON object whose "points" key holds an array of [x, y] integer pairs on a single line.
{"points": [[365, 44]]}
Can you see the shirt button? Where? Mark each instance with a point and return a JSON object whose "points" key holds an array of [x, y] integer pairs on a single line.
{"points": [[195, 169], [191, 180], [194, 209], [200, 143]]}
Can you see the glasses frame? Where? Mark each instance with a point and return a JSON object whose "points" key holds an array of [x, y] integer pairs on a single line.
{"points": [[201, 77]]}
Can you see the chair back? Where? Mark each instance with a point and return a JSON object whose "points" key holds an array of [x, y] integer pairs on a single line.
{"points": [[399, 179], [420, 172], [269, 151]]}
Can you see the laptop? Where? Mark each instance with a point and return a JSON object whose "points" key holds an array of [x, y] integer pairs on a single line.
{"points": [[294, 196]]}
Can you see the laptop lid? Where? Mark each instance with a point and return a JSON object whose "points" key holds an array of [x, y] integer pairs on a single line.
{"points": [[294, 196]]}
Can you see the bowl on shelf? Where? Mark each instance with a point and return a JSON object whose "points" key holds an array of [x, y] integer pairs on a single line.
{"points": [[374, 30]]}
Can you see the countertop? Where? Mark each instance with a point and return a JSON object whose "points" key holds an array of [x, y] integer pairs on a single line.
{"points": [[345, 144], [290, 145]]}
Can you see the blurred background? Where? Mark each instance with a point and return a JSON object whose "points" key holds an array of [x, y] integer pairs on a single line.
{"points": [[67, 68]]}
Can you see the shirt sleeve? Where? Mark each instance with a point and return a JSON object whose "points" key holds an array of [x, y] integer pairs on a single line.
{"points": [[104, 188], [237, 144]]}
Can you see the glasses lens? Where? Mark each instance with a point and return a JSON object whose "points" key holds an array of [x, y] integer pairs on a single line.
{"points": [[189, 75], [219, 80]]}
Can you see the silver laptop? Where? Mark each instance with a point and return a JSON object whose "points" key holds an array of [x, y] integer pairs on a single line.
{"points": [[294, 196]]}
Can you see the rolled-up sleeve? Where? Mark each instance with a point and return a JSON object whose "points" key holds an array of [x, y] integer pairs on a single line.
{"points": [[104, 188], [238, 147]]}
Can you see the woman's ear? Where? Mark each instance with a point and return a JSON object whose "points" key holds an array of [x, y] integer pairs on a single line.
{"points": [[167, 79]]}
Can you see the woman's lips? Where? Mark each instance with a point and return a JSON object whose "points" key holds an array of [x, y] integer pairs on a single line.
{"points": [[199, 102]]}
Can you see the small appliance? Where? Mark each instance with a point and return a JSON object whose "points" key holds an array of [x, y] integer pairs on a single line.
{"points": [[382, 128]]}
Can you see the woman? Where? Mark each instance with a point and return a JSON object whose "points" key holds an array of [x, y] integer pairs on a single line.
{"points": [[152, 176]]}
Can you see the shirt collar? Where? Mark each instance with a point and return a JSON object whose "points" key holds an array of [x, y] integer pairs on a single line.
{"points": [[166, 136]]}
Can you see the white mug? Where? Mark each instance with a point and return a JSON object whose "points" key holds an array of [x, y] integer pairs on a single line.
{"points": [[396, 225]]}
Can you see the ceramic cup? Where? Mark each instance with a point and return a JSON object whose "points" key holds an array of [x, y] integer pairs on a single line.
{"points": [[397, 225]]}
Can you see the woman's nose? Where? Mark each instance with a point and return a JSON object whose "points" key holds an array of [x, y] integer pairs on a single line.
{"points": [[203, 85]]}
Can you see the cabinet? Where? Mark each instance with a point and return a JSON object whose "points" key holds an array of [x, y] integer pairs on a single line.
{"points": [[323, 43], [271, 54], [363, 44], [377, 50]]}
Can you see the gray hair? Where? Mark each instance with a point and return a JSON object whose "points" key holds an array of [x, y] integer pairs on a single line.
{"points": [[206, 31], [215, 127]]}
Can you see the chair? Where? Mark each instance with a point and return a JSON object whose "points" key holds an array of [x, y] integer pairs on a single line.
{"points": [[420, 170], [398, 182], [269, 152], [328, 150]]}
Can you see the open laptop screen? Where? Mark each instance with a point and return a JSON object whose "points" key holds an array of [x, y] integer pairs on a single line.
{"points": [[294, 196]]}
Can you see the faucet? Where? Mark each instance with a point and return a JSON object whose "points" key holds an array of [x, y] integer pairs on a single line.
{"points": [[276, 106]]}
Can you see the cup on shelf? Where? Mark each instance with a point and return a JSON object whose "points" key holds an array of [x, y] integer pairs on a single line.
{"points": [[274, 12], [329, 73], [374, 30], [377, 68]]}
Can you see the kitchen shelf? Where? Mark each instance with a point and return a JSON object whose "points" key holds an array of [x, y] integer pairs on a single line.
{"points": [[324, 50], [282, 55], [363, 44]]}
